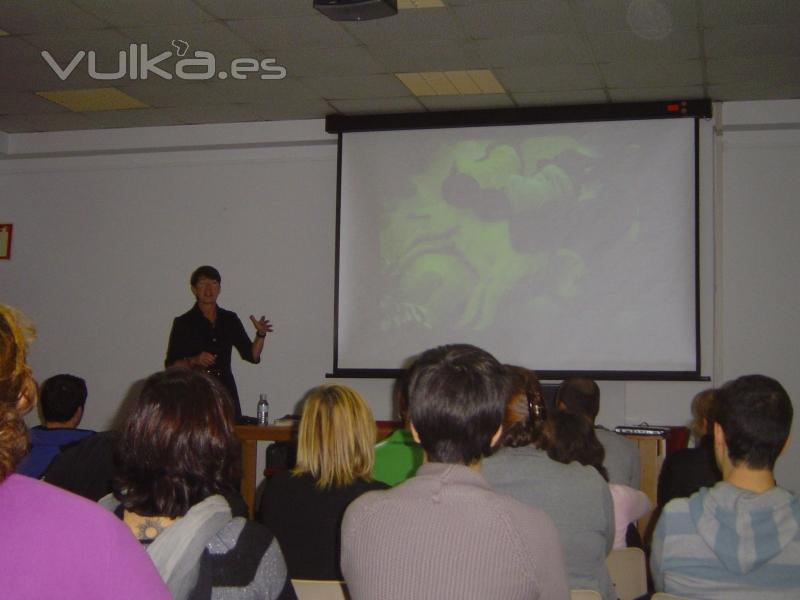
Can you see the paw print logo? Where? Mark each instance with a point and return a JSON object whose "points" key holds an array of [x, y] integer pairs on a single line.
{"points": [[180, 47]]}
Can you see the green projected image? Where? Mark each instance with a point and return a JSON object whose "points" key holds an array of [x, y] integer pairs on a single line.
{"points": [[484, 218]]}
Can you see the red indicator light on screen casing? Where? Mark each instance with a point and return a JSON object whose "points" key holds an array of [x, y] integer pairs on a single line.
{"points": [[673, 108]]}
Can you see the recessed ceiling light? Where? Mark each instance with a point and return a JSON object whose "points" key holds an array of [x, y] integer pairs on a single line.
{"points": [[451, 83], [92, 99]]}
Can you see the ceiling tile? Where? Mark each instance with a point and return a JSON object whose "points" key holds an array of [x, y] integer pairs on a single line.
{"points": [[534, 50], [466, 102], [282, 109], [409, 27], [65, 121], [293, 32], [36, 16], [256, 9], [561, 77], [754, 71], [427, 56], [161, 93], [652, 74], [19, 103], [15, 49], [603, 16], [257, 91], [63, 47], [377, 106], [657, 93], [732, 13], [557, 98], [754, 91], [492, 20], [678, 45], [107, 98], [371, 86], [749, 41], [220, 113], [32, 76], [144, 117], [131, 13], [15, 124], [315, 62], [213, 37]]}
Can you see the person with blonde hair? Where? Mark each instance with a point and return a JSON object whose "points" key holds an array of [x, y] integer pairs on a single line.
{"points": [[55, 544], [335, 457]]}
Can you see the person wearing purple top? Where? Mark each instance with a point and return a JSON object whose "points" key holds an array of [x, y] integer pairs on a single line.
{"points": [[55, 544]]}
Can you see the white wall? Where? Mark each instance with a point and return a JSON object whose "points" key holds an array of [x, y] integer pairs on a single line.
{"points": [[759, 312], [109, 225]]}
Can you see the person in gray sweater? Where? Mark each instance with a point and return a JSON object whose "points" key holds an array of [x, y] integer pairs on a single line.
{"points": [[574, 496], [444, 533]]}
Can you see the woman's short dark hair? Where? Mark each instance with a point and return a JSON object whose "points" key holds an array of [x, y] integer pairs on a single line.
{"points": [[177, 446], [570, 438], [205, 271], [457, 395]]}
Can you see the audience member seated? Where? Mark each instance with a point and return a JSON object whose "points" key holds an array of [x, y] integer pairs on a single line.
{"points": [[571, 438], [398, 456], [576, 497], [86, 468], [178, 457], [740, 539], [444, 533], [55, 544], [62, 399], [335, 455], [581, 396], [687, 470]]}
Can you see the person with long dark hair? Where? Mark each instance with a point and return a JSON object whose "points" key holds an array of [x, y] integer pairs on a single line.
{"points": [[178, 460]]}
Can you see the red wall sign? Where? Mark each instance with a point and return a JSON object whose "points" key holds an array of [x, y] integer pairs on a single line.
{"points": [[5, 240]]}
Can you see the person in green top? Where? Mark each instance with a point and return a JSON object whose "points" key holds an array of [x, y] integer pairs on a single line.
{"points": [[398, 456]]}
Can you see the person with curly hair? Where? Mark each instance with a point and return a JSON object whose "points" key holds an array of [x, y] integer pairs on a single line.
{"points": [[55, 544]]}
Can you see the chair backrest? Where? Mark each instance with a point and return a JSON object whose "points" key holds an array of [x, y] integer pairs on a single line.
{"points": [[628, 572], [309, 589], [585, 595], [666, 596]]}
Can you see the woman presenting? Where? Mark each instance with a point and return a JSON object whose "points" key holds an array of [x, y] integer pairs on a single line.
{"points": [[205, 336]]}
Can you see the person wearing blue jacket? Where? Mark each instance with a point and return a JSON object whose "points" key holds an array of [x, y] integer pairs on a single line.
{"points": [[62, 398], [741, 538]]}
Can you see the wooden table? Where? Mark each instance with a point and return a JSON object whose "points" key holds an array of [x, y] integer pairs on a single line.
{"points": [[250, 435]]}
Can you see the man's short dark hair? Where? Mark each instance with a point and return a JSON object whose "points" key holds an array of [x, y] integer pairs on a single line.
{"points": [[61, 396], [207, 272], [457, 396], [580, 395], [755, 414]]}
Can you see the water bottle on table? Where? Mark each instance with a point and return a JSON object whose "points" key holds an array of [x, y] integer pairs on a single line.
{"points": [[263, 410]]}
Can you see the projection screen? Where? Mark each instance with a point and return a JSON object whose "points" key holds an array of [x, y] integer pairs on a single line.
{"points": [[564, 247]]}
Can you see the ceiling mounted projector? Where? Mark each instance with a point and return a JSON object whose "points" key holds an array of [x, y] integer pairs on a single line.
{"points": [[356, 10]]}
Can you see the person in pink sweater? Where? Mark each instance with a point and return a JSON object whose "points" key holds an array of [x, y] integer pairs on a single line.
{"points": [[55, 544]]}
